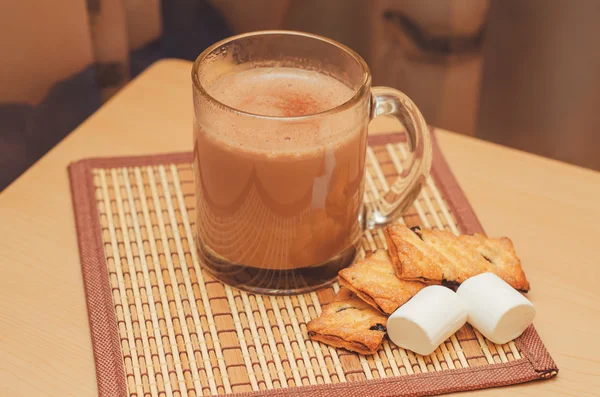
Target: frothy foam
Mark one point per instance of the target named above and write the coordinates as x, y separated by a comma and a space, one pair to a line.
279, 92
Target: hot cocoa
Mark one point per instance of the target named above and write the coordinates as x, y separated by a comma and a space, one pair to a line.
278, 200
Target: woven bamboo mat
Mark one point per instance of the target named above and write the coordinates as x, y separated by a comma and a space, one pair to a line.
162, 327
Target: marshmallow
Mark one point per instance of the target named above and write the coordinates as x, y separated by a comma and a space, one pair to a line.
495, 308
428, 319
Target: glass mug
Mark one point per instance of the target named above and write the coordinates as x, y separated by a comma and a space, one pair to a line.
279, 196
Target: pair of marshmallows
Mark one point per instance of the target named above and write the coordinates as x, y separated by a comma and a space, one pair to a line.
486, 301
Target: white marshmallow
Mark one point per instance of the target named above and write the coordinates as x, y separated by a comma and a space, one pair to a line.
495, 308
428, 319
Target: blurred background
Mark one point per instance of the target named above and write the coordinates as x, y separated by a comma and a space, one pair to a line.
521, 73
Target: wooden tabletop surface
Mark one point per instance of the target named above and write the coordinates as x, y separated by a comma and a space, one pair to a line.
550, 210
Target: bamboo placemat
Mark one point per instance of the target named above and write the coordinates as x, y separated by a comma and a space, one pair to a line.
162, 327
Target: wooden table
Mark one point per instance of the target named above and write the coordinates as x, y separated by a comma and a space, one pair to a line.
551, 211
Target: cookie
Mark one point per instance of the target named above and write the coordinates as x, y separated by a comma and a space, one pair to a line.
413, 259
439, 257
349, 323
374, 281
500, 252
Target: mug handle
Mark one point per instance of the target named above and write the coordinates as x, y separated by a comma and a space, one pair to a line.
403, 192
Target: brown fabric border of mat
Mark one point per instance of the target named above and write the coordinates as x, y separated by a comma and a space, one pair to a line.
110, 373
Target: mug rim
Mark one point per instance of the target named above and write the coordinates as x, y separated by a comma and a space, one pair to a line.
339, 108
